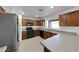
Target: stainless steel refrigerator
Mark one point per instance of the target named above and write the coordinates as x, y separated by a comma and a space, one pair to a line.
9, 31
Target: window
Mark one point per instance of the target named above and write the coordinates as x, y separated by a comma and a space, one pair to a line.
53, 24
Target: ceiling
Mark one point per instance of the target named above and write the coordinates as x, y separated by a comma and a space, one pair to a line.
36, 11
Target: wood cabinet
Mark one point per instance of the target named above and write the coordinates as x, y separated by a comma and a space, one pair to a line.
62, 20
48, 34
45, 34
23, 22
24, 35
69, 19
37, 33
40, 22
34, 22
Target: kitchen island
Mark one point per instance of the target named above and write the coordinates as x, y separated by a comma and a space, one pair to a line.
65, 41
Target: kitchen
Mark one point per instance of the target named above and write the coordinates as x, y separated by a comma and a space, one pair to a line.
47, 28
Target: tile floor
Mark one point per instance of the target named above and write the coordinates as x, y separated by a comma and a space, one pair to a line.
31, 45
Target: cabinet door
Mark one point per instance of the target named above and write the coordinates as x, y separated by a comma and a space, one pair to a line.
48, 34
23, 22
24, 35
34, 22
73, 18
40, 22
76, 18
69, 21
36, 32
62, 20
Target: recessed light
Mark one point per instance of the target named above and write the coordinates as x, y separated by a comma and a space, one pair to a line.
23, 13
51, 6
36, 15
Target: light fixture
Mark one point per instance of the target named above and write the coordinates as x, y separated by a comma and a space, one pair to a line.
23, 13
36, 15
51, 6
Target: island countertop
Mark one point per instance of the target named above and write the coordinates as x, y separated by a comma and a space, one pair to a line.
67, 29
63, 42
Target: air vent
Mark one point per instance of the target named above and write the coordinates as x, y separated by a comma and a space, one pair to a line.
40, 9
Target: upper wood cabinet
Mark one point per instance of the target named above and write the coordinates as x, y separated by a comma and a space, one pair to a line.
35, 22
39, 22
23, 22
69, 19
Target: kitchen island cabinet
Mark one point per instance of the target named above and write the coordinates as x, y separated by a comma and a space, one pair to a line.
46, 34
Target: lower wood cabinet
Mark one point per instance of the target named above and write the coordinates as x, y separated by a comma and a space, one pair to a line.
43, 34
24, 35
37, 33
48, 34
